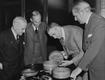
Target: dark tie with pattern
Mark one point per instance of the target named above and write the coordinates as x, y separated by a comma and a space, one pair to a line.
17, 39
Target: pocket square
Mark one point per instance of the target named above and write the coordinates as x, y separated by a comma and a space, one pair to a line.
90, 35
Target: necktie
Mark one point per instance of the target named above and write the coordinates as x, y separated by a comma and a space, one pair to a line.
36, 30
17, 38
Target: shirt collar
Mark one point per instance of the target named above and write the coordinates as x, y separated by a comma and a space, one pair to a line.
63, 33
14, 33
35, 28
88, 18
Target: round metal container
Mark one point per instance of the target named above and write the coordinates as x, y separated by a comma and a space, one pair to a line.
61, 73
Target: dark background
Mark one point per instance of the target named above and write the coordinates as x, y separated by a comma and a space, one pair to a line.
62, 15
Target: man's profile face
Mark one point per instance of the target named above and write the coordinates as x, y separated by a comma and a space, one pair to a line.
80, 12
79, 16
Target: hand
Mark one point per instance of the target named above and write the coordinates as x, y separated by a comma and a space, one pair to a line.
1, 66
75, 72
66, 63
73, 78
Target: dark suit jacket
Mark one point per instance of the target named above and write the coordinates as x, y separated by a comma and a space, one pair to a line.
73, 41
11, 55
94, 47
29, 39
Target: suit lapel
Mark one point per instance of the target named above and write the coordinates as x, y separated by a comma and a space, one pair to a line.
88, 31
89, 27
30, 31
12, 39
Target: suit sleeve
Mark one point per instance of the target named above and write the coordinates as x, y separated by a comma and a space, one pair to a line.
94, 48
78, 42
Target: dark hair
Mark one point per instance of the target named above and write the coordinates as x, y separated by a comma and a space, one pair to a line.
35, 13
